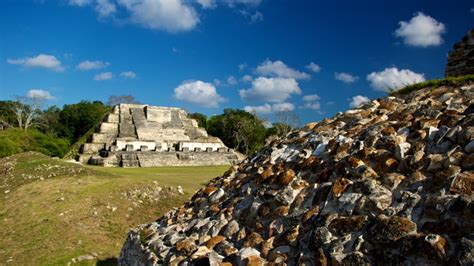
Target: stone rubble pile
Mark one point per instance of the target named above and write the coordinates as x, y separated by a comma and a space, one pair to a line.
389, 183
461, 58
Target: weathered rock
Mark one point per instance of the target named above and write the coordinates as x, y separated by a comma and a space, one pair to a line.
388, 183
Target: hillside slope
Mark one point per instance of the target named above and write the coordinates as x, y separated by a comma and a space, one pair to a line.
389, 183
53, 212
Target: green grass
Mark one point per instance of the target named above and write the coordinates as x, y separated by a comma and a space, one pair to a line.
435, 83
69, 213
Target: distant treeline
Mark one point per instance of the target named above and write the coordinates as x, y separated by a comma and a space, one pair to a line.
26, 126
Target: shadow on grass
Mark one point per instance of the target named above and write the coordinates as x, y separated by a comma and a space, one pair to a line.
107, 262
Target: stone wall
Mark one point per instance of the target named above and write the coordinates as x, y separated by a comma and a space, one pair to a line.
141, 135
461, 58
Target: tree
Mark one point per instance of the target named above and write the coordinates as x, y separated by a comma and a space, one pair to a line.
285, 122
118, 99
77, 119
27, 110
200, 118
49, 118
238, 129
7, 115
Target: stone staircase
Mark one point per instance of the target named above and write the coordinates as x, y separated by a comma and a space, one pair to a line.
129, 160
126, 126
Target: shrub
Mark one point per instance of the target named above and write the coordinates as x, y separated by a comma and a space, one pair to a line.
14, 141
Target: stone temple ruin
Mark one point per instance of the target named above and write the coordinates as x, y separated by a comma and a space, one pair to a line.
134, 135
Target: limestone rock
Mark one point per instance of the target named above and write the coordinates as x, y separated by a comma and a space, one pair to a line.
389, 183
135, 135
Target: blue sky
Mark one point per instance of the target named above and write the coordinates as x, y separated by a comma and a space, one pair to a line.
312, 57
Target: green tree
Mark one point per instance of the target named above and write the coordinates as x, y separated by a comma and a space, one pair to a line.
77, 119
50, 124
7, 115
200, 118
238, 129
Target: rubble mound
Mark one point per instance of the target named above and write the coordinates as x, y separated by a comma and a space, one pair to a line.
389, 183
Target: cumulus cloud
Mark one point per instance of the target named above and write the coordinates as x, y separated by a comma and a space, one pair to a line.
198, 92
252, 18
358, 101
345, 77
247, 78
39, 61
279, 69
233, 3
311, 102
89, 65
271, 89
268, 109
79, 2
103, 76
169, 15
207, 4
39, 94
105, 8
422, 30
313, 106
128, 74
311, 97
392, 79
231, 80
314, 67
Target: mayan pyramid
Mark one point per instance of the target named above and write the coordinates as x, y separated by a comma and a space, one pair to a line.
134, 135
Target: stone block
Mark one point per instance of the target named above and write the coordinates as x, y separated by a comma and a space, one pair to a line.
129, 147
208, 149
92, 147
197, 149
221, 149
143, 148
185, 149
108, 128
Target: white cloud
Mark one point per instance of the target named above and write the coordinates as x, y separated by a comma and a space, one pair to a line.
421, 30
207, 4
311, 102
103, 76
231, 80
39, 61
358, 101
255, 17
198, 92
247, 78
105, 8
254, 3
169, 15
89, 65
128, 74
283, 107
472, 10
39, 94
267, 108
313, 106
392, 78
79, 2
271, 89
311, 97
345, 77
279, 69
314, 67
242, 66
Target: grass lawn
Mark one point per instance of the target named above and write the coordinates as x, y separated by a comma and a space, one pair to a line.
51, 211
